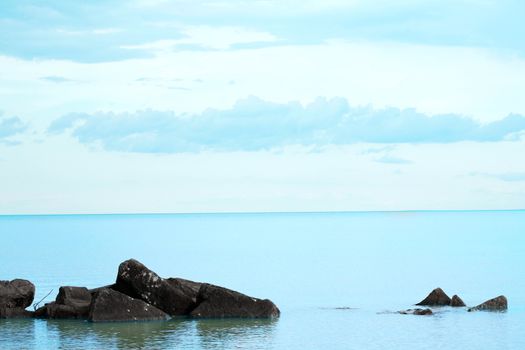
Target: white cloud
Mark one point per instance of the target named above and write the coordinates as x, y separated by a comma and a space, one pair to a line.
216, 38
254, 124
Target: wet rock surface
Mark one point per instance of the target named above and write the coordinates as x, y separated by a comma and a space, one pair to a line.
417, 312
494, 304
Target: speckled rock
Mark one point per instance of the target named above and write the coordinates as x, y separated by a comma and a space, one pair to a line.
111, 306
137, 281
494, 304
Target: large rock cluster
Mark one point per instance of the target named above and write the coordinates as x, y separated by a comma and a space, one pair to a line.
138, 294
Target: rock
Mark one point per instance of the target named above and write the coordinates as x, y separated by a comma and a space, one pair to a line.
74, 296
189, 288
436, 298
456, 301
71, 302
109, 305
15, 312
17, 293
218, 302
55, 310
137, 281
495, 304
419, 312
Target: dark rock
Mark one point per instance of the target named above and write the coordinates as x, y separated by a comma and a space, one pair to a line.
419, 312
74, 296
55, 310
436, 298
495, 304
189, 288
15, 312
456, 301
71, 302
109, 305
16, 293
218, 302
137, 281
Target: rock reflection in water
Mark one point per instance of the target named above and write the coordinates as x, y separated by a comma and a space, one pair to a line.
235, 333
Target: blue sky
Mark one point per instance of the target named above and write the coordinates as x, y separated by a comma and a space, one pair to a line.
184, 106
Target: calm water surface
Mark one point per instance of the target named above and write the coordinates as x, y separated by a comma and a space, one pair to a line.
308, 264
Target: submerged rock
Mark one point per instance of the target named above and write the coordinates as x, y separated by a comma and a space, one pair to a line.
436, 298
17, 293
109, 305
494, 304
218, 302
418, 312
456, 301
136, 280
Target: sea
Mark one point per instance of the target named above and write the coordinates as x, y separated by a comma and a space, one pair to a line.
338, 278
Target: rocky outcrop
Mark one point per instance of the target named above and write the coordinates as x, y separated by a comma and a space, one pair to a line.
218, 302
456, 301
494, 304
436, 298
17, 293
110, 305
418, 312
136, 280
139, 294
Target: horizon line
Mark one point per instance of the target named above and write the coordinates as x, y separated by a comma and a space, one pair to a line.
270, 212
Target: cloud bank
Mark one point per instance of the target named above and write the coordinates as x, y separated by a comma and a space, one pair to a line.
254, 124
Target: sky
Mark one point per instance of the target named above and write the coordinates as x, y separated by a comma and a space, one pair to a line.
158, 106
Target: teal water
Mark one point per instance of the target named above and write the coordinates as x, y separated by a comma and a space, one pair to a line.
308, 264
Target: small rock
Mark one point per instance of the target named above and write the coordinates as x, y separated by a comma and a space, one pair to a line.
218, 302
495, 304
71, 302
17, 293
436, 298
456, 301
74, 296
419, 312
109, 305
